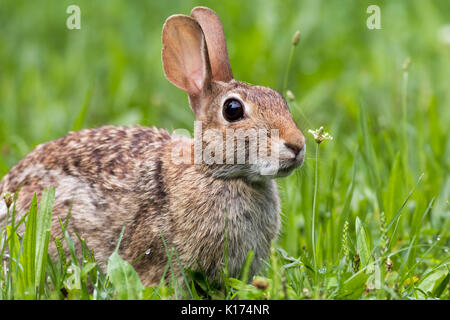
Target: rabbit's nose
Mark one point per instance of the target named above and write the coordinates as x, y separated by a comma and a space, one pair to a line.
296, 145
296, 148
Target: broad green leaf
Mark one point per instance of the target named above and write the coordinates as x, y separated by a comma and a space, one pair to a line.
124, 278
353, 287
331, 283
87, 268
362, 244
236, 284
150, 293
431, 283
438, 290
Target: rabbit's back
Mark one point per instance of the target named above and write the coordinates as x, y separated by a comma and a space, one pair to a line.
99, 173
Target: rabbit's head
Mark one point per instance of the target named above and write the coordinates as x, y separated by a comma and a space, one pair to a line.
195, 59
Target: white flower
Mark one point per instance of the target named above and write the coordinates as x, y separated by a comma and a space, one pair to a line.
320, 135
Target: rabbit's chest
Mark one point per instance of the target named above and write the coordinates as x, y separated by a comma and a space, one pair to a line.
215, 213
253, 221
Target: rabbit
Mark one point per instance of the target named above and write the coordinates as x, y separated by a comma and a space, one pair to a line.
114, 176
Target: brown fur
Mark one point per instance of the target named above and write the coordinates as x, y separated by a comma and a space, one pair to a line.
115, 177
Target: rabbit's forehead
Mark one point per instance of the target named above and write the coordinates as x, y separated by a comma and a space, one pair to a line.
263, 99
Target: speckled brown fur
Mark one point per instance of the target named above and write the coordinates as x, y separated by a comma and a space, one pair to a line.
114, 177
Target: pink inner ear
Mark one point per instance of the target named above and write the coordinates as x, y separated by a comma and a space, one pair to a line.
197, 77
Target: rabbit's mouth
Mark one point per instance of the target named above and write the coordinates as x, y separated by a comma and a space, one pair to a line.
290, 165
287, 169
264, 168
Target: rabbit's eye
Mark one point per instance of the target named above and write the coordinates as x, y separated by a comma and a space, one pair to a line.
233, 110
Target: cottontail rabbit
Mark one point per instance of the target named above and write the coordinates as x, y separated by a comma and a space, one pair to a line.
128, 176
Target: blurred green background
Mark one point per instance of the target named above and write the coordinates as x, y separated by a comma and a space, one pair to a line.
53, 80
46, 70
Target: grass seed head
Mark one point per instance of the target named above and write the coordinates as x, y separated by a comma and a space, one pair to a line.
345, 239
8, 198
356, 263
296, 38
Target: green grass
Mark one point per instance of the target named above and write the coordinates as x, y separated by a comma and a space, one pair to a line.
380, 199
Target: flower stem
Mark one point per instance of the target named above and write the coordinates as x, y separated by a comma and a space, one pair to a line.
405, 116
288, 67
313, 241
294, 43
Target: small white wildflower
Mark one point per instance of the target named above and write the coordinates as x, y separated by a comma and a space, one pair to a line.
320, 135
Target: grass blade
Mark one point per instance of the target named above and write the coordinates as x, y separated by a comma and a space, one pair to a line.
28, 258
43, 230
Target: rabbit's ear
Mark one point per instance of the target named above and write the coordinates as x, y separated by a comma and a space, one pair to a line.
217, 46
185, 55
